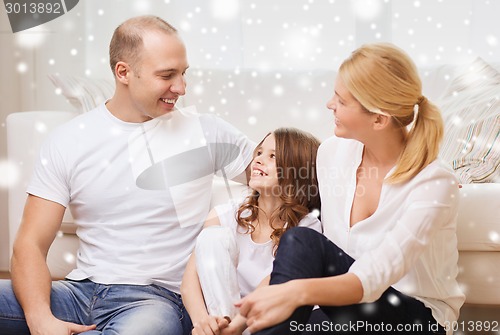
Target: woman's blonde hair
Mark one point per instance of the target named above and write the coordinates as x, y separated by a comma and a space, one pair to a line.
384, 79
127, 41
298, 186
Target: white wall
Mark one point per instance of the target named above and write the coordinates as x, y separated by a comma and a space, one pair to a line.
25, 60
7, 103
261, 35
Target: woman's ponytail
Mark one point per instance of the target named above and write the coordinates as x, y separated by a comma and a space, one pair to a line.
422, 142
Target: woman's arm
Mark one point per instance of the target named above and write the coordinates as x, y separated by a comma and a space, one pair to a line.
270, 305
432, 208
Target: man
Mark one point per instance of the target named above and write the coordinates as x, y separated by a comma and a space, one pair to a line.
136, 173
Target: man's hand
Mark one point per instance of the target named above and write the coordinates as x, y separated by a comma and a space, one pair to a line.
54, 326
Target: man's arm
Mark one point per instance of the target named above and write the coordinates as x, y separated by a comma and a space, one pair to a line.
31, 278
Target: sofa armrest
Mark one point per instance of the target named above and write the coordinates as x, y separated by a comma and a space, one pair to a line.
479, 217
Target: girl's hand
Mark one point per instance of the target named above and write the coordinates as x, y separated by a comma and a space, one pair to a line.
268, 306
236, 327
210, 325
231, 331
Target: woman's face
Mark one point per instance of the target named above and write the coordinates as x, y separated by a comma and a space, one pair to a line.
264, 177
351, 119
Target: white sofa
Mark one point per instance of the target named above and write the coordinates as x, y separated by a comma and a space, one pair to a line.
479, 213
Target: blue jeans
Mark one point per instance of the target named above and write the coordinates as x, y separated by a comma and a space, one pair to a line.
305, 253
115, 309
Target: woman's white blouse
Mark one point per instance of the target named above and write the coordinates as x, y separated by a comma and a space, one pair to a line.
410, 241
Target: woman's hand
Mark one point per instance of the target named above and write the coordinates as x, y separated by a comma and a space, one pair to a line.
210, 325
269, 305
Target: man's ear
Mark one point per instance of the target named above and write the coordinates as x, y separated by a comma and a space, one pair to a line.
381, 121
122, 72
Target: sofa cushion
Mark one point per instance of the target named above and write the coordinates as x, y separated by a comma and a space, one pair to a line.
83, 93
471, 111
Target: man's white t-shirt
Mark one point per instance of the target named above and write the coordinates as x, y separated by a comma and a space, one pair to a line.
138, 192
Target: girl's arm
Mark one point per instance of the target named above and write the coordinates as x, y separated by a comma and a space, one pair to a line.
239, 322
265, 281
192, 295
236, 327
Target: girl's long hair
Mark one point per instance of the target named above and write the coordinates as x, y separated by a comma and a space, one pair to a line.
298, 185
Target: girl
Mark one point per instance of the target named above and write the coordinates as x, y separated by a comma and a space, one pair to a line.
284, 195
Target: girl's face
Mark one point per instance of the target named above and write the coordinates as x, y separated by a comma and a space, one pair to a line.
351, 119
264, 177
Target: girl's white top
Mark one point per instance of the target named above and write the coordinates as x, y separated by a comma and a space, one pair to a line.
255, 260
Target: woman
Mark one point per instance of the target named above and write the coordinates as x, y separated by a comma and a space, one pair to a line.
388, 260
235, 250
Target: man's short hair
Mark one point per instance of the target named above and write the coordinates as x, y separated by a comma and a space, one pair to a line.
126, 43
